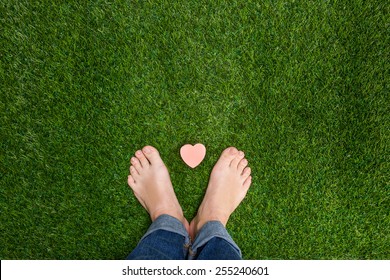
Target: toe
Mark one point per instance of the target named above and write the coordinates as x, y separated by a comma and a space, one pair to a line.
247, 182
239, 156
228, 155
152, 155
246, 172
130, 181
242, 164
141, 157
136, 163
134, 172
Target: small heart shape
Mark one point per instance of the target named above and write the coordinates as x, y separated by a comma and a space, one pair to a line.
193, 155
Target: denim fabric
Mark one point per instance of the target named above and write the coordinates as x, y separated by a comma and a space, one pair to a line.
167, 239
217, 249
213, 242
160, 245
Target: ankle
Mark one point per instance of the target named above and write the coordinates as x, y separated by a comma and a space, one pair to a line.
176, 214
200, 221
213, 214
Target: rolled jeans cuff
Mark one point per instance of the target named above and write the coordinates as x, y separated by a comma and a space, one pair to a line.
210, 230
168, 223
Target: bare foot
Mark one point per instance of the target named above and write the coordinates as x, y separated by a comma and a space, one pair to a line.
152, 185
228, 185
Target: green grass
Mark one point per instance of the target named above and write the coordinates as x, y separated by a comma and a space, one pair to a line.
301, 86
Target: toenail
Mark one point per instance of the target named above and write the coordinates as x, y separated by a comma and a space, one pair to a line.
132, 159
233, 151
138, 153
147, 150
241, 153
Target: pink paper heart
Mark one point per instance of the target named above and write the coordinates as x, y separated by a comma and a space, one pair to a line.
193, 155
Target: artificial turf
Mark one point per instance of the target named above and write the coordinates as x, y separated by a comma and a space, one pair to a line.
301, 86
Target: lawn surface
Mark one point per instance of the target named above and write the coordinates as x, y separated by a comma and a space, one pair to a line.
301, 86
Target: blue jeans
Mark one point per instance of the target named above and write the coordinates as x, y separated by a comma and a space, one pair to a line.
167, 239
